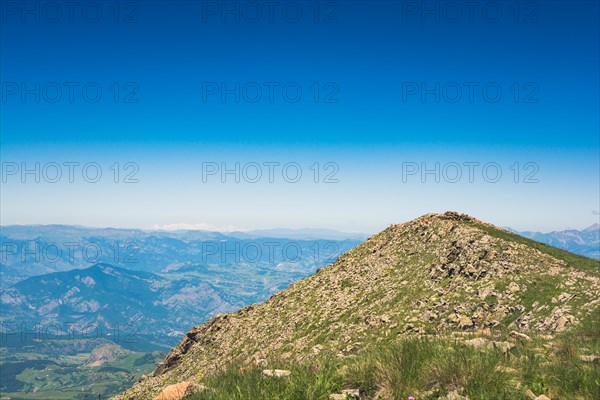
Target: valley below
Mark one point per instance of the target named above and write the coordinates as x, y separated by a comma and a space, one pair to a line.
74, 331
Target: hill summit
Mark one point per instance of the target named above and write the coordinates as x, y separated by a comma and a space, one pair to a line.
439, 275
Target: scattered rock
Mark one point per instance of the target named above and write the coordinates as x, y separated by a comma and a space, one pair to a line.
485, 332
530, 394
179, 391
513, 287
519, 336
485, 292
477, 342
564, 297
317, 349
464, 322
504, 347
351, 393
454, 395
261, 362
562, 322
589, 358
346, 395
278, 373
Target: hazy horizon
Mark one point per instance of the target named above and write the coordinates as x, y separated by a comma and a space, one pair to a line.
250, 230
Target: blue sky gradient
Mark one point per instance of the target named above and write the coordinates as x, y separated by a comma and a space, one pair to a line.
365, 58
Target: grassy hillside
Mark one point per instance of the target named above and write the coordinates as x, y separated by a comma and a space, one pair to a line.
584, 263
424, 307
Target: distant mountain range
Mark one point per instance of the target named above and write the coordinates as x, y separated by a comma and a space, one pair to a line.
106, 300
31, 250
67, 292
585, 242
302, 234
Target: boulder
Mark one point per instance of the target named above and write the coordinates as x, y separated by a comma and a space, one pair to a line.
519, 336
346, 395
179, 391
477, 342
277, 373
454, 395
351, 393
530, 394
563, 321
513, 287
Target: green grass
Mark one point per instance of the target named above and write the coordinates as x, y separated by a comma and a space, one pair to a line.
562, 374
541, 290
346, 283
574, 260
587, 333
306, 382
426, 369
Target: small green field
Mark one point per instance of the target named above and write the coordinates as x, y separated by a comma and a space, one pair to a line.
43, 372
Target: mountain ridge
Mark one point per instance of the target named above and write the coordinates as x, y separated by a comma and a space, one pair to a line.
437, 274
32, 251
585, 242
106, 298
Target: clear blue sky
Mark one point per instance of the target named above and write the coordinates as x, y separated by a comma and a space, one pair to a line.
368, 73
